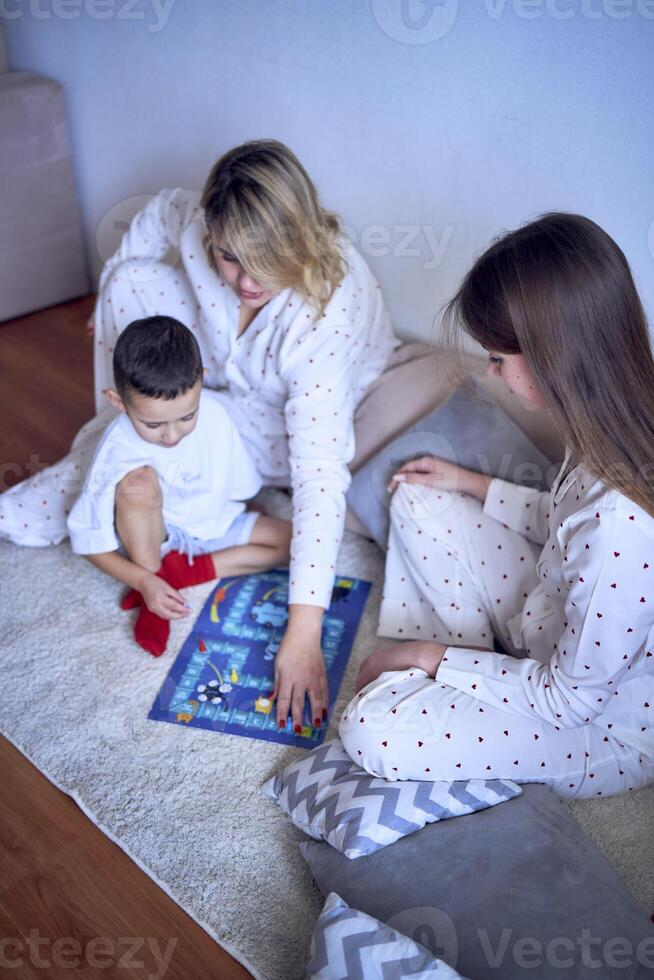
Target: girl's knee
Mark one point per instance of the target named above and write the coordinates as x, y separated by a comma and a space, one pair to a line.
384, 718
437, 512
360, 724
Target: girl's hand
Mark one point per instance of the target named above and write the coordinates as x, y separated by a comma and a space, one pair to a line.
432, 471
300, 670
90, 326
162, 599
401, 656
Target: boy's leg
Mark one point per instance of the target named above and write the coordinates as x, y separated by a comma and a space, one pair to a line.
262, 544
140, 527
139, 518
269, 545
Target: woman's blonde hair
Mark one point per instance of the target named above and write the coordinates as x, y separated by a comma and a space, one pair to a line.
262, 205
559, 291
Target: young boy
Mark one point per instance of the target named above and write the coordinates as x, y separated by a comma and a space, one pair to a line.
169, 475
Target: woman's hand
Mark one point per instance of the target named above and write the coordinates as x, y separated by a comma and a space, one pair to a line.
300, 670
432, 471
90, 326
162, 599
401, 656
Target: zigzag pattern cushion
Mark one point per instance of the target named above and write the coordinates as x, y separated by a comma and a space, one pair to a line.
350, 945
330, 798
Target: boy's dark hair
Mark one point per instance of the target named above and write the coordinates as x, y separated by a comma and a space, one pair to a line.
157, 357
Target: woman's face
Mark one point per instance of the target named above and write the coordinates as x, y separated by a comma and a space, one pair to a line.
514, 372
250, 292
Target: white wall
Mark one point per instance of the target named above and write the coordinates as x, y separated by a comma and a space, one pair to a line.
3, 52
489, 113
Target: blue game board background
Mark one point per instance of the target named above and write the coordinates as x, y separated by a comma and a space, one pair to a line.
225, 666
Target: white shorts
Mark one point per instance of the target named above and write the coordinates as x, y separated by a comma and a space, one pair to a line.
239, 532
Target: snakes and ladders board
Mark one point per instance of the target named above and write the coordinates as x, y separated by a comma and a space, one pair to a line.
223, 675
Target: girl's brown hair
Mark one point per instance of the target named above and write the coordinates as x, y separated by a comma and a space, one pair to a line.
262, 205
559, 291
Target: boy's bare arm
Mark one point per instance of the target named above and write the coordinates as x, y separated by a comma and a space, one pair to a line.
121, 568
160, 597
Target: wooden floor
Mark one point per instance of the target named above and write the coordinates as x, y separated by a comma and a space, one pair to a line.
71, 903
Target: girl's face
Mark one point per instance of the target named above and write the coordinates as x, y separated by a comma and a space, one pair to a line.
514, 371
250, 292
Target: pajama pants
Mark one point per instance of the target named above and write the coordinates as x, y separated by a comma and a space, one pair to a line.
447, 566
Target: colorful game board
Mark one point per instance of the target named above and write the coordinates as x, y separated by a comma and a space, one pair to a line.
223, 675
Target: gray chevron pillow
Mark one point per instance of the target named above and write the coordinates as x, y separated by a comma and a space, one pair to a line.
350, 945
330, 798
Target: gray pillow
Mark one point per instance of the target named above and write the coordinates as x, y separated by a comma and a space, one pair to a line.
468, 429
511, 892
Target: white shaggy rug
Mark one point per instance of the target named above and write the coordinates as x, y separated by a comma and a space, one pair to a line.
184, 804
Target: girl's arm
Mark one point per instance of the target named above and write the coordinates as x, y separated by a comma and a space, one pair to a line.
521, 508
433, 471
609, 623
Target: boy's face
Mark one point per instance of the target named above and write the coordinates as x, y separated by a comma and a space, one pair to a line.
161, 421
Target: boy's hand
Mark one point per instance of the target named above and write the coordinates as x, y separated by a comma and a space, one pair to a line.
162, 599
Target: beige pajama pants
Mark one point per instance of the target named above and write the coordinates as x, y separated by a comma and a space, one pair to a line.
456, 575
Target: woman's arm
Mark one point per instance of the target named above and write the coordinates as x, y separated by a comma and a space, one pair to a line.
300, 667
154, 232
317, 369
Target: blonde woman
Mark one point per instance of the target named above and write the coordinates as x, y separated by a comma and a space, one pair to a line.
563, 579
292, 328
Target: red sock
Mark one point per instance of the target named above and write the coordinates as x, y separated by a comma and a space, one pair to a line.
131, 600
178, 572
151, 631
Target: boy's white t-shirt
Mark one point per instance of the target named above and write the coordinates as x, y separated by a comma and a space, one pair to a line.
204, 479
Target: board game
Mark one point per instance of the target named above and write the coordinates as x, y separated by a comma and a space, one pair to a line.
222, 677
